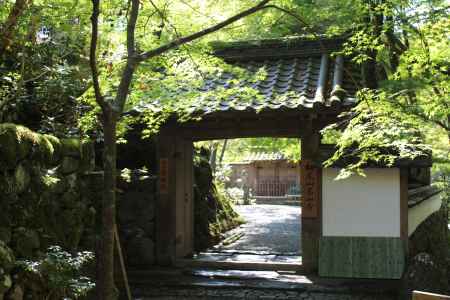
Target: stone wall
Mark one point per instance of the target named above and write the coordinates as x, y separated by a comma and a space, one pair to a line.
44, 198
428, 262
213, 210
136, 216
137, 197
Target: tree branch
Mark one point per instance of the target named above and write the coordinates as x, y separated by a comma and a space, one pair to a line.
288, 12
9, 26
178, 35
93, 56
183, 40
131, 47
132, 62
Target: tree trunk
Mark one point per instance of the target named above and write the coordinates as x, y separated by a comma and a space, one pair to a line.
107, 290
222, 153
111, 112
213, 157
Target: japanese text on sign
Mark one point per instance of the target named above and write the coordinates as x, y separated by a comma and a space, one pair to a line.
310, 181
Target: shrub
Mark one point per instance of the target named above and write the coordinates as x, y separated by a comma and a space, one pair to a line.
58, 274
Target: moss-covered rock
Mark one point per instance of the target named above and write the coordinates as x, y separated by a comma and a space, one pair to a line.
69, 165
7, 258
5, 284
16, 143
26, 241
43, 151
22, 179
71, 147
5, 234
40, 198
87, 156
214, 212
7, 184
57, 149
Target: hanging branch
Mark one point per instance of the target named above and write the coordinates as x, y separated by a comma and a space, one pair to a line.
189, 38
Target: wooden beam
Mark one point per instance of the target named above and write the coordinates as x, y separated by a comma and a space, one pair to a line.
428, 296
253, 125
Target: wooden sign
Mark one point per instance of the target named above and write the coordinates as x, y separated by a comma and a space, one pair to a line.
311, 184
164, 176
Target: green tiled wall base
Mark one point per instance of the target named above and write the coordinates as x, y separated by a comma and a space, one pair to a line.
361, 257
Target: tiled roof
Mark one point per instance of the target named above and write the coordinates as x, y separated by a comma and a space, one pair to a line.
265, 156
260, 156
418, 195
298, 75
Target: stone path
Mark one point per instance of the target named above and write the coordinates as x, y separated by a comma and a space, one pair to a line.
270, 229
237, 285
197, 293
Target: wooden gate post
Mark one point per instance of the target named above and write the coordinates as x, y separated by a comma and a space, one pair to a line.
175, 208
165, 216
184, 198
311, 201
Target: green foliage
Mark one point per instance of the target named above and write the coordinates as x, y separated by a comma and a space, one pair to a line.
61, 273
44, 68
52, 64
410, 111
376, 134
18, 142
238, 149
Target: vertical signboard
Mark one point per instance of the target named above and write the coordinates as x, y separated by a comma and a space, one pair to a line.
164, 176
310, 182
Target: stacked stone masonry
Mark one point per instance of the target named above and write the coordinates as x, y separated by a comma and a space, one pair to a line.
45, 198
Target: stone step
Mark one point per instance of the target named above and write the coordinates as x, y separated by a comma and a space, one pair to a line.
239, 284
239, 264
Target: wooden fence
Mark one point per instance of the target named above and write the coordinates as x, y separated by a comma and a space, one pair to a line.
275, 188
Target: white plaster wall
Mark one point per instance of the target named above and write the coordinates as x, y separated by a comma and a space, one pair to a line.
419, 213
361, 206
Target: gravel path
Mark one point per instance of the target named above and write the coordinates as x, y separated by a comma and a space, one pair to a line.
269, 228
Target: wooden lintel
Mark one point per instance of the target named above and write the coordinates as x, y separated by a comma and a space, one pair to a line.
237, 128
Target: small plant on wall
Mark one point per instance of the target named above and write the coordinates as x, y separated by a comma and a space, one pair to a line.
58, 275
